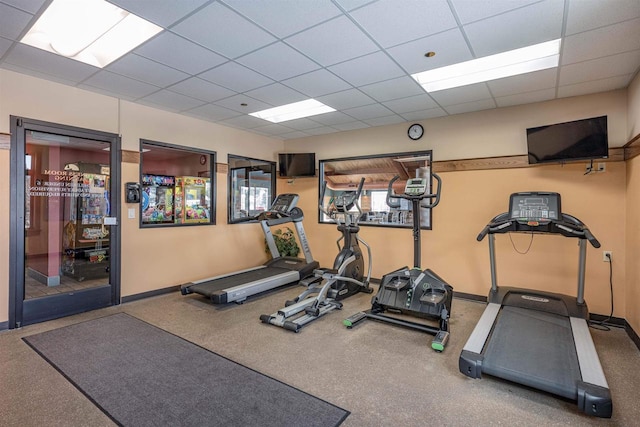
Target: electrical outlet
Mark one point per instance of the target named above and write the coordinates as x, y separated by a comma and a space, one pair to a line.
601, 167
607, 256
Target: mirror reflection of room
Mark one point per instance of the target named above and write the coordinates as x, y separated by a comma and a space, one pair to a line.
378, 171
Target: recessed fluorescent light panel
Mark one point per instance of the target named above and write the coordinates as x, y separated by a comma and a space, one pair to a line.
519, 61
91, 31
297, 110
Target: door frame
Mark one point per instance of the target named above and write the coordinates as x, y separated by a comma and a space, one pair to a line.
70, 303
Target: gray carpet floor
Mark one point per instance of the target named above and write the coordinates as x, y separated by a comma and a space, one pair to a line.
383, 374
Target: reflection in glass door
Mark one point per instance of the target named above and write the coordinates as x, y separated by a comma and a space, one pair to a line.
67, 240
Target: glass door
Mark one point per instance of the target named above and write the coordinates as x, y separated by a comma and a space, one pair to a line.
65, 239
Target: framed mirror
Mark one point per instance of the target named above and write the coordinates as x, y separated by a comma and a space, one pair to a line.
344, 174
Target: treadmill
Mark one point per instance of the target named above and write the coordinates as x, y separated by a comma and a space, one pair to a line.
279, 271
539, 339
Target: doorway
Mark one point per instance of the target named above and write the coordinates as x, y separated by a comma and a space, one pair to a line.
65, 204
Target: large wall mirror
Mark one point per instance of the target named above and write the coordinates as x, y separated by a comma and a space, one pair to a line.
344, 175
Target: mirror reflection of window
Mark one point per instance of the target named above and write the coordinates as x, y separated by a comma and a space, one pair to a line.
252, 184
378, 170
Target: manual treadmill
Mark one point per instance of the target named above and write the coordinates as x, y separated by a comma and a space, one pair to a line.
279, 271
539, 339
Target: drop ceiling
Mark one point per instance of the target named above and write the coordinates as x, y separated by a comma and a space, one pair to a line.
220, 60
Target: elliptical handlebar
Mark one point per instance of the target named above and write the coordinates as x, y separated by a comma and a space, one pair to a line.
428, 205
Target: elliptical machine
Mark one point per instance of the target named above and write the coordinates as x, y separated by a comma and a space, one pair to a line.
412, 291
327, 287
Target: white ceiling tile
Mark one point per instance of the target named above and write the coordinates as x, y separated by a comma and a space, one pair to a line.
594, 86
350, 126
475, 10
332, 118
235, 77
317, 83
603, 41
273, 129
387, 90
324, 130
302, 124
458, 95
365, 112
12, 21
48, 63
413, 103
298, 16
529, 82
171, 101
431, 113
327, 43
235, 103
450, 47
295, 134
346, 99
522, 27
4, 46
31, 6
244, 121
276, 94
387, 120
610, 66
161, 12
214, 24
353, 4
37, 73
201, 89
211, 112
469, 107
278, 61
181, 54
367, 69
586, 15
390, 22
526, 98
145, 70
120, 86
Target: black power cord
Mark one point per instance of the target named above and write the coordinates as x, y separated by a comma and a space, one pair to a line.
604, 325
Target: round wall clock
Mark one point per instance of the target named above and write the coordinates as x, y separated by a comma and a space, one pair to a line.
415, 131
203, 160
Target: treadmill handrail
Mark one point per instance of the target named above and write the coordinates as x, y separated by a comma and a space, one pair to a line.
569, 226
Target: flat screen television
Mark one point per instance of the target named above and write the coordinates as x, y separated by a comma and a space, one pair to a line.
561, 142
296, 165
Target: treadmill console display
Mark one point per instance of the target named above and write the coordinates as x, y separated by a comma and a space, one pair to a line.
534, 207
284, 203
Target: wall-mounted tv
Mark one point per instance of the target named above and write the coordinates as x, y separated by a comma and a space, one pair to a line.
295, 165
562, 142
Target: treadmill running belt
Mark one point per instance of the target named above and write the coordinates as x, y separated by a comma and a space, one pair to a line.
535, 349
241, 278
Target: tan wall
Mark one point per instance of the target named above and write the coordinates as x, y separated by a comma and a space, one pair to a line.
633, 244
151, 258
633, 108
469, 200
633, 207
